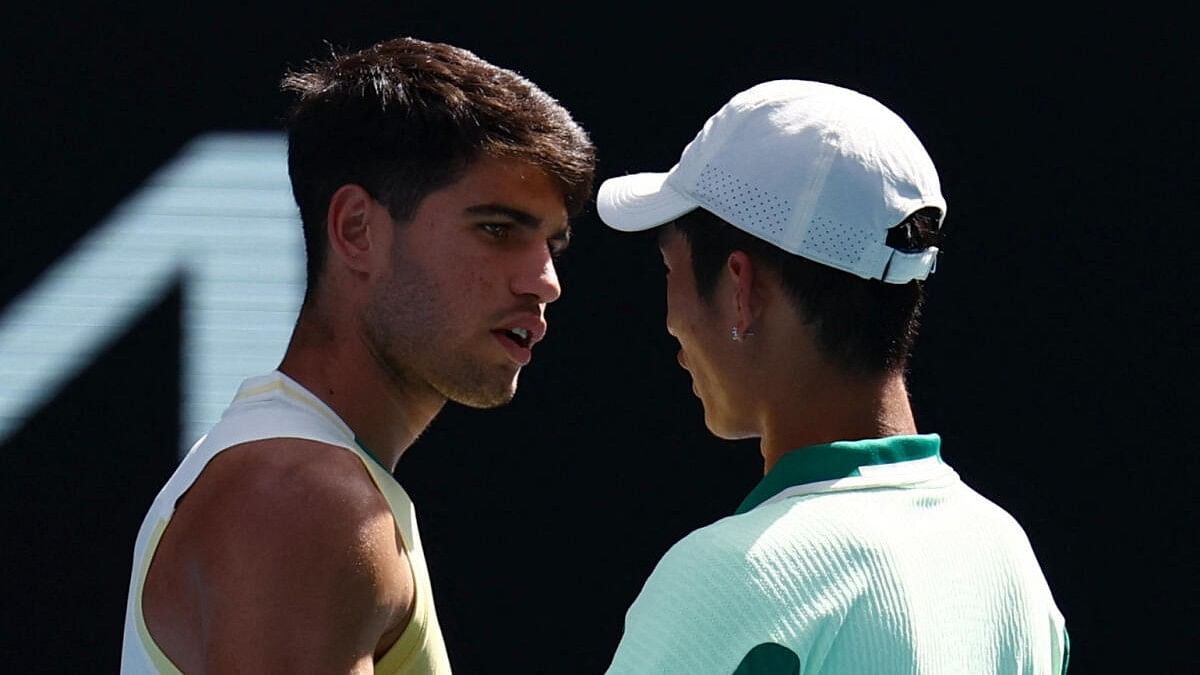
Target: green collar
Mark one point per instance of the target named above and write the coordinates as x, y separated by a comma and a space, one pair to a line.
840, 459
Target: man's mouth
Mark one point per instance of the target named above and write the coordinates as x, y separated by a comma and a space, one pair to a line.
519, 336
519, 333
517, 342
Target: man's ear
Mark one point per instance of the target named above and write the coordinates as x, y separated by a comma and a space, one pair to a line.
747, 292
353, 229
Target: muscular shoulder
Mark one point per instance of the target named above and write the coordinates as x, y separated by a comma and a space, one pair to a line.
276, 531
283, 478
305, 498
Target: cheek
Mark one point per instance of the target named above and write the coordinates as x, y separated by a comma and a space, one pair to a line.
683, 317
673, 315
465, 281
480, 274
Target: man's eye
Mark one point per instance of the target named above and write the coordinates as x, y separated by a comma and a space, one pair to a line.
497, 230
557, 247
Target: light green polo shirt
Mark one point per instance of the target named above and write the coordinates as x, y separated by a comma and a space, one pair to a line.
867, 556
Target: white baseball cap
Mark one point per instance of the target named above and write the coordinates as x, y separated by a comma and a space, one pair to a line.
818, 170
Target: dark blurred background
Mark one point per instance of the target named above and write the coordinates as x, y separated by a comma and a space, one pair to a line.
1055, 358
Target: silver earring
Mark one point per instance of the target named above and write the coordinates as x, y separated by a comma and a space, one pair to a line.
737, 336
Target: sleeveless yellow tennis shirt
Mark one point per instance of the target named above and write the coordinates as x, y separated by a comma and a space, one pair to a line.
275, 406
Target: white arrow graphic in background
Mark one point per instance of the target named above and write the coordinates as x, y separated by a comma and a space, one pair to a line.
221, 215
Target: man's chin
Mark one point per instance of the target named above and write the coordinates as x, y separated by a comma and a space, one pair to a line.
482, 403
491, 395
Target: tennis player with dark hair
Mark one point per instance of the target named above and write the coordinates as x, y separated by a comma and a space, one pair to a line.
799, 228
435, 191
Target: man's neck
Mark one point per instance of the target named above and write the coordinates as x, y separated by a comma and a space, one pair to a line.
836, 410
335, 364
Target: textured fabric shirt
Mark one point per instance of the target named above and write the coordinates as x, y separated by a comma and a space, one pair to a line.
275, 406
853, 557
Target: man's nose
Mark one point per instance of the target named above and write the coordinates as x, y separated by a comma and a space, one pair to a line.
538, 278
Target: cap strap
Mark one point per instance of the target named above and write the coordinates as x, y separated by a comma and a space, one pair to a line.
902, 268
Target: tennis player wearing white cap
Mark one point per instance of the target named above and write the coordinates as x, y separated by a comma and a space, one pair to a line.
798, 229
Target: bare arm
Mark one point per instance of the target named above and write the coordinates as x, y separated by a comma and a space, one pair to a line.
282, 558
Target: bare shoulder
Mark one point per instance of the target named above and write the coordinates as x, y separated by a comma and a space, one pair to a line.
285, 478
276, 532
273, 491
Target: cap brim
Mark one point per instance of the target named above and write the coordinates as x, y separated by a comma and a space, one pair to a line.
640, 201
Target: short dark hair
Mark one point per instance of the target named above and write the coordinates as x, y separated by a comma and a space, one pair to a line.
865, 326
406, 117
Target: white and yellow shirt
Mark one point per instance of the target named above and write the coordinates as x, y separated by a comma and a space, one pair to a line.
275, 406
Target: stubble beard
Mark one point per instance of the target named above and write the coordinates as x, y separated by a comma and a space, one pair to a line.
409, 331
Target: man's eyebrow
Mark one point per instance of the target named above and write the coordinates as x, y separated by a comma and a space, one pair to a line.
522, 218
